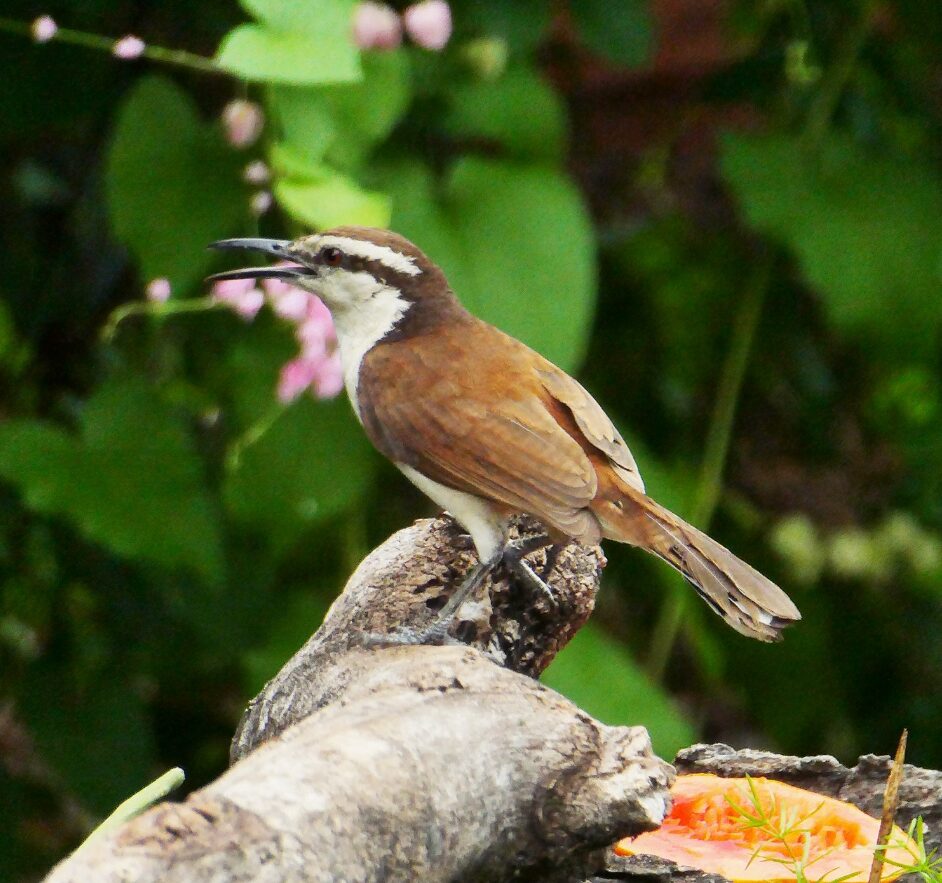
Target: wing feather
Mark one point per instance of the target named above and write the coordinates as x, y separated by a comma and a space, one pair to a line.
452, 428
592, 421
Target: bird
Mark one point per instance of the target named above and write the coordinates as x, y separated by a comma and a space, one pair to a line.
488, 428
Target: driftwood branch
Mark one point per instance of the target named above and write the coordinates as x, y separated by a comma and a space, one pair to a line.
410, 763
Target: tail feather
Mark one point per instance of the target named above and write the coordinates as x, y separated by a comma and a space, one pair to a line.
750, 603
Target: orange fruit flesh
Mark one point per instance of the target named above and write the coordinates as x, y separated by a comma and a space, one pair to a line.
706, 829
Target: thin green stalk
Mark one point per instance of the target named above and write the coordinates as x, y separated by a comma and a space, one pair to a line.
137, 803
157, 310
252, 435
176, 57
837, 76
719, 434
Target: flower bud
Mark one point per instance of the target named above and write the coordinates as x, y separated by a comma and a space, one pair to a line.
128, 48
376, 26
158, 290
260, 202
243, 122
429, 24
256, 173
44, 29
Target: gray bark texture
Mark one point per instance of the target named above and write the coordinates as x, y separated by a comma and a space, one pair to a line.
438, 763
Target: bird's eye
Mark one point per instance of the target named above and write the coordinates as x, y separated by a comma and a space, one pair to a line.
332, 257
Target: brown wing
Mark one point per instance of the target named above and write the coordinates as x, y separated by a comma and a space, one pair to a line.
466, 408
592, 421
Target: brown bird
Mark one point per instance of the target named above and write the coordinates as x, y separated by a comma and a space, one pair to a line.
488, 428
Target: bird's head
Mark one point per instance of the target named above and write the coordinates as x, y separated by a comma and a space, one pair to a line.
373, 281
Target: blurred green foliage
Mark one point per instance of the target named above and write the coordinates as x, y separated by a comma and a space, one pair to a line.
731, 228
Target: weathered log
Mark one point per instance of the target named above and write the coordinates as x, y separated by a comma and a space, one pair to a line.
410, 762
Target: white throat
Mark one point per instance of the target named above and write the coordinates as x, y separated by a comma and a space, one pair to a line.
364, 311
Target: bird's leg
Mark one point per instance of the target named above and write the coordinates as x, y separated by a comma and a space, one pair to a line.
436, 632
514, 554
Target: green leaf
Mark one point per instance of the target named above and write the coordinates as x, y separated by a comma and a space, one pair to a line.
311, 464
865, 227
131, 482
623, 32
257, 52
520, 112
172, 184
322, 198
598, 675
307, 43
305, 122
345, 121
516, 244
327, 18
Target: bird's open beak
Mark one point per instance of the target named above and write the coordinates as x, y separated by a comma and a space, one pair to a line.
276, 247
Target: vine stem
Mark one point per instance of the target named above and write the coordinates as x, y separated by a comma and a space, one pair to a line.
719, 434
157, 310
176, 57
838, 76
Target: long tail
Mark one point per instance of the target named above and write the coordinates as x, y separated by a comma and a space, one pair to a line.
750, 603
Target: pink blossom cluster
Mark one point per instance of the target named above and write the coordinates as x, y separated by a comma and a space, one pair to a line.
317, 365
378, 26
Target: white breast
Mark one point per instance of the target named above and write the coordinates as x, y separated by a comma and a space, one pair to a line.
475, 514
364, 312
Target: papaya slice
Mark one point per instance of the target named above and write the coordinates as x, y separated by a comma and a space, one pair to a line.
708, 828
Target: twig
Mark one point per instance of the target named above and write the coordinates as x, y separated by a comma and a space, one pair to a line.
890, 805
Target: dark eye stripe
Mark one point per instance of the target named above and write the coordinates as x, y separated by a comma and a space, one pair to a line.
330, 256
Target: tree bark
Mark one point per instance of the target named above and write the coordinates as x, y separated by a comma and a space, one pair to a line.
360, 763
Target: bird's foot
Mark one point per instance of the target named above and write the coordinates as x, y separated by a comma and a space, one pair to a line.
437, 631
514, 554
435, 634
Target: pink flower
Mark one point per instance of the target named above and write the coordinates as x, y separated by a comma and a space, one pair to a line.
44, 29
316, 333
158, 290
256, 173
128, 48
376, 26
295, 377
329, 380
241, 295
243, 122
288, 301
317, 365
429, 24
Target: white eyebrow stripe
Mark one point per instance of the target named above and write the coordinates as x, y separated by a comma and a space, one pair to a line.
388, 257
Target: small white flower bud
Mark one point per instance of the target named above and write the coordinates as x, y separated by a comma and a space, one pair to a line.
376, 26
128, 48
429, 24
158, 290
261, 202
256, 173
243, 121
44, 29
